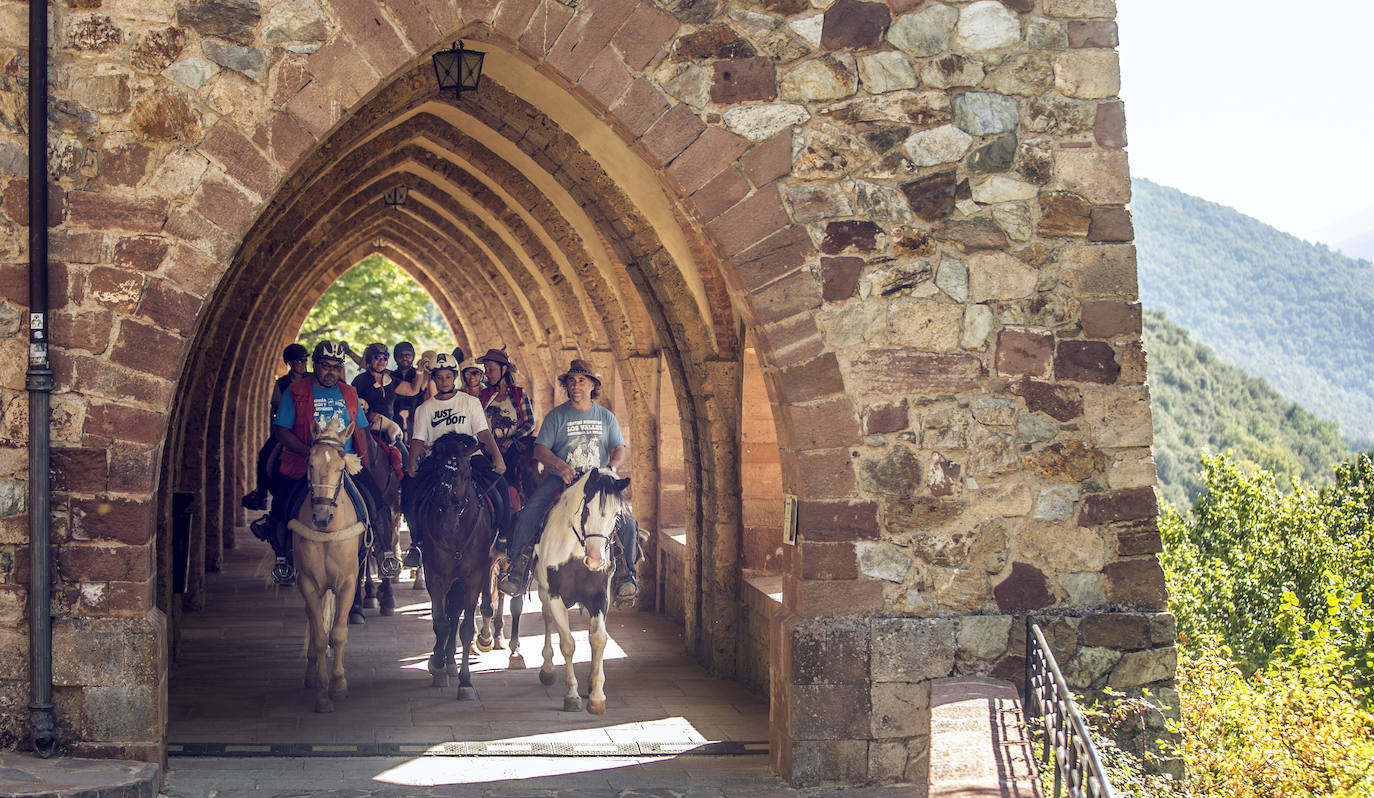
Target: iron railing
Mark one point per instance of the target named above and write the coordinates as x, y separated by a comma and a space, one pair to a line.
1065, 736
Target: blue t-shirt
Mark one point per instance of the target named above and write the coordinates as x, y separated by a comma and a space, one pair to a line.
581, 438
329, 403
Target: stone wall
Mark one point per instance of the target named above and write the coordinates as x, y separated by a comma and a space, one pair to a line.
917, 210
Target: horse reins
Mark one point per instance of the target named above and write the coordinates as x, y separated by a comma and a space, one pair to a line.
333, 501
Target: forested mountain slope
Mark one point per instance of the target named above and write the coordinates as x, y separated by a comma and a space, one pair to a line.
1297, 314
1200, 402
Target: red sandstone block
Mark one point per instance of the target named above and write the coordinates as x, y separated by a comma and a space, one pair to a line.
1092, 33
782, 253
606, 79
811, 380
78, 468
315, 108
224, 205
830, 561
830, 711
1109, 318
140, 252
796, 293
768, 160
826, 474
76, 246
792, 340
587, 34
1120, 505
117, 289
86, 562
513, 17
123, 423
645, 33
721, 192
412, 17
145, 348
902, 371
738, 80
672, 133
191, 270
640, 107
341, 70
834, 521
168, 306
750, 221
373, 34
1109, 125
1024, 352
289, 138
132, 469
812, 598
1110, 225
239, 158
106, 212
111, 520
546, 25
714, 150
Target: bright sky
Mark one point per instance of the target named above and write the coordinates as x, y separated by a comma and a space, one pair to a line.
1267, 107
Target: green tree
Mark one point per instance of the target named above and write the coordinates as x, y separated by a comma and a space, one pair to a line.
377, 301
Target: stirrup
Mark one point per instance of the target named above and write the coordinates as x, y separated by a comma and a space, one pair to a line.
412, 558
254, 500
261, 528
515, 580
282, 572
389, 567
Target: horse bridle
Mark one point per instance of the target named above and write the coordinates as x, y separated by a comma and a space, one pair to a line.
332, 501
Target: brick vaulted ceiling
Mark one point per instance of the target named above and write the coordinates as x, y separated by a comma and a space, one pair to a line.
525, 235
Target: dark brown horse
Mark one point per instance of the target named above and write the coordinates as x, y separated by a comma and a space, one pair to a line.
456, 521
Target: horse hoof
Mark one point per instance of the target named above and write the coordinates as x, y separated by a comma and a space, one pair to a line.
340, 695
483, 645
387, 610
419, 583
439, 680
370, 603
572, 704
324, 705
467, 693
597, 707
355, 617
517, 663
546, 678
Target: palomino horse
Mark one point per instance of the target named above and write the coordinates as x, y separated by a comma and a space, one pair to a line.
456, 521
326, 544
522, 473
573, 565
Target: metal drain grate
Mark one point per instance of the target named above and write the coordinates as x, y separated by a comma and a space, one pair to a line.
466, 748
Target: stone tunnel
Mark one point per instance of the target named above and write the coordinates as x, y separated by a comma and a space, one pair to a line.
868, 261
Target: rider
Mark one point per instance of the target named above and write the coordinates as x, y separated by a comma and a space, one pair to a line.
451, 410
574, 437
306, 403
379, 387
296, 358
509, 409
405, 371
470, 378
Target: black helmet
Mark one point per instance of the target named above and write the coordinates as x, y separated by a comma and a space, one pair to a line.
293, 353
329, 350
404, 346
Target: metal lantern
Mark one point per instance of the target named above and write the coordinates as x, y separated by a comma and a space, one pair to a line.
458, 69
395, 197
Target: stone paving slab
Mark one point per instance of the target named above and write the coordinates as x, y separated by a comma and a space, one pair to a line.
25, 775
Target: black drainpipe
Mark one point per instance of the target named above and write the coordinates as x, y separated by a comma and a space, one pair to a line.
43, 724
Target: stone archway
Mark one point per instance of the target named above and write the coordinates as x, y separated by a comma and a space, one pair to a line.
918, 214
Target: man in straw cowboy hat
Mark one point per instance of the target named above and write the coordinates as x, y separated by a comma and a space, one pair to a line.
574, 437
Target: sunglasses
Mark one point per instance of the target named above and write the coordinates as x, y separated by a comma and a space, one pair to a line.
380, 357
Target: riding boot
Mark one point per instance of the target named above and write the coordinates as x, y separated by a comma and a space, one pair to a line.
255, 499
625, 584
515, 581
283, 572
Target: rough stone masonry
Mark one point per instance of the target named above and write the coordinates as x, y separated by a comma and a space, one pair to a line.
920, 212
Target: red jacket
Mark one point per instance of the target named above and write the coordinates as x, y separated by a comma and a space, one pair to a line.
302, 393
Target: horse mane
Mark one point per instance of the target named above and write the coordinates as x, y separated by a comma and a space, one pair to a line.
336, 432
450, 446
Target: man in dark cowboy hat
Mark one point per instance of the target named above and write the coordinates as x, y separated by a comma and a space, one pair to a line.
509, 409
574, 437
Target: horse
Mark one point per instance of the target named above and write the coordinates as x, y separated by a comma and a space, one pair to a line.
574, 561
457, 522
522, 473
383, 464
326, 535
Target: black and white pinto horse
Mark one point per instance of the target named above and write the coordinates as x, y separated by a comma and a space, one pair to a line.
574, 562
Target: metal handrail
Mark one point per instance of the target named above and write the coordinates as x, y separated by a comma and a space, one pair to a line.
1076, 763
